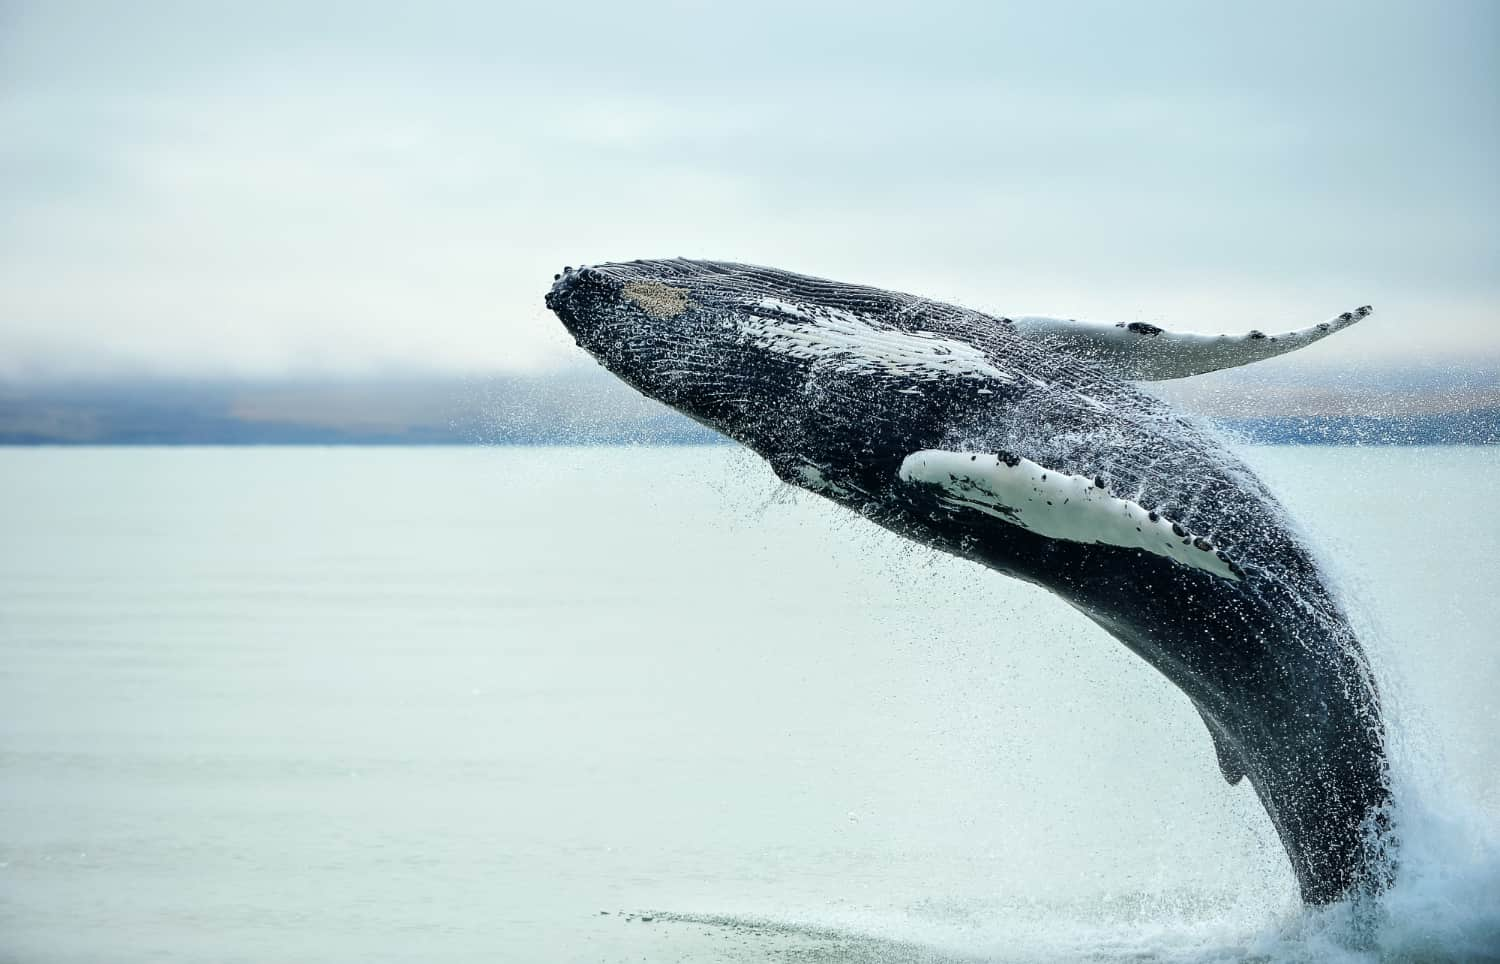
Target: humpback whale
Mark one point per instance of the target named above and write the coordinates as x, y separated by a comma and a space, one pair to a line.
1024, 444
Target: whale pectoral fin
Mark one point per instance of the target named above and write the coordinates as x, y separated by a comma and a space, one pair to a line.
1230, 763
1057, 505
1147, 353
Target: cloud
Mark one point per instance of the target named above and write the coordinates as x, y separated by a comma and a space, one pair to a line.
219, 188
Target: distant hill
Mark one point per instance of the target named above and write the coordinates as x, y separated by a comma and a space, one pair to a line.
587, 407
577, 408
1480, 427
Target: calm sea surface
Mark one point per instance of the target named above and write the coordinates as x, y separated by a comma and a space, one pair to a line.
646, 704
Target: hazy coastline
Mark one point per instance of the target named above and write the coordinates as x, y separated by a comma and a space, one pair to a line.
1452, 405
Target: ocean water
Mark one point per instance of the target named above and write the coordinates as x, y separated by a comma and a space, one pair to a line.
484, 704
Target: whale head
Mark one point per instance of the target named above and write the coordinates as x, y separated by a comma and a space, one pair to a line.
822, 379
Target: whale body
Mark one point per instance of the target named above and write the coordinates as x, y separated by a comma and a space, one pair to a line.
1022, 444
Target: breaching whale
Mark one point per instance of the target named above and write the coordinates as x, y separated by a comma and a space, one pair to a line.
1022, 444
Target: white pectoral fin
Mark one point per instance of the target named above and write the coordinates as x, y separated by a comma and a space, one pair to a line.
1059, 506
1148, 353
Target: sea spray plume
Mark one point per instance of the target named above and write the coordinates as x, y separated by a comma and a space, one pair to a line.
1022, 446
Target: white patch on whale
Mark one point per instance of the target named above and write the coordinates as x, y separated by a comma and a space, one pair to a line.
832, 336
1057, 505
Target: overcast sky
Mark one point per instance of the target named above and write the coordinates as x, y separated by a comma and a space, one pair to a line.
263, 188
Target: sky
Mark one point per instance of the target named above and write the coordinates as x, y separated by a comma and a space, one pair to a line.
287, 188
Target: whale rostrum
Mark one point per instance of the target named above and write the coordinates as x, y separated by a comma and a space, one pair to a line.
1022, 444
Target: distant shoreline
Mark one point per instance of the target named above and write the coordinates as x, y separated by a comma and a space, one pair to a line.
1314, 434
588, 408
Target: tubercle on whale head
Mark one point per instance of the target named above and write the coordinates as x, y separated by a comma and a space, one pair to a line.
576, 296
